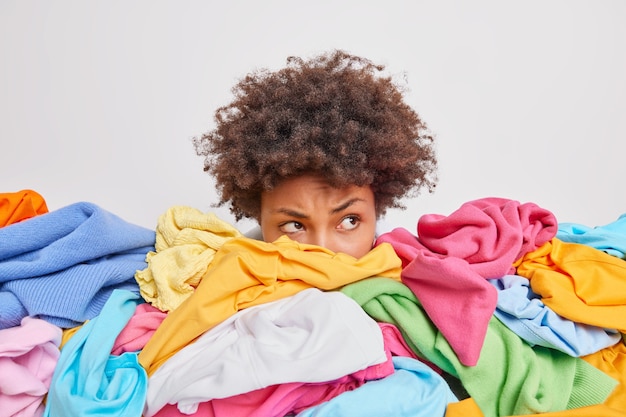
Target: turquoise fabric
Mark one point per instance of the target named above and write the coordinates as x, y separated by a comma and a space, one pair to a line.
88, 380
610, 238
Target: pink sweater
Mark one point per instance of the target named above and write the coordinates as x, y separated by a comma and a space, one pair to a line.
446, 265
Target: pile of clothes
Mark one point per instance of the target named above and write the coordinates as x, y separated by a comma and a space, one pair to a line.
493, 310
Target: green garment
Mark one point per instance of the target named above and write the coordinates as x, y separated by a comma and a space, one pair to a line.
510, 378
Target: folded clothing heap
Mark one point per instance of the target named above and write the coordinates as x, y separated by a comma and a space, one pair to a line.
472, 315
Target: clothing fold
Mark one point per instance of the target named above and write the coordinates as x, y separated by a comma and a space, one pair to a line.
21, 205
88, 380
451, 257
247, 272
62, 266
510, 378
312, 336
186, 242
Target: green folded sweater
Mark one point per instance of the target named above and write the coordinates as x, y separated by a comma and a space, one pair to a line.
510, 378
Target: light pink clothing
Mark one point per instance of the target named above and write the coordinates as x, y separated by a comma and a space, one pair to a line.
446, 265
28, 356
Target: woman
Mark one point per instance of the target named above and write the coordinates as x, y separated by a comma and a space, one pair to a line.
318, 151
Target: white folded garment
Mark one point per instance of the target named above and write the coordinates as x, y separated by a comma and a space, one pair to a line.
312, 336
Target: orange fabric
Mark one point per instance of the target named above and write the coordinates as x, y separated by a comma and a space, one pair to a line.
578, 282
247, 272
463, 408
612, 361
21, 205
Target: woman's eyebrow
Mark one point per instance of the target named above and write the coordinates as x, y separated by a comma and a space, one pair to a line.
300, 215
345, 205
292, 213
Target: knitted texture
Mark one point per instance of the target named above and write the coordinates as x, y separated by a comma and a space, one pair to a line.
63, 265
186, 241
511, 377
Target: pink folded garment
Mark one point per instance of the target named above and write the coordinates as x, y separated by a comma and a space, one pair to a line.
447, 264
28, 355
139, 329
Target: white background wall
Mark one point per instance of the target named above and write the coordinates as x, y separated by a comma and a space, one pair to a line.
99, 100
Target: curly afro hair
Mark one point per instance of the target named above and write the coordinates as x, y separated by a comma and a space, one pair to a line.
334, 115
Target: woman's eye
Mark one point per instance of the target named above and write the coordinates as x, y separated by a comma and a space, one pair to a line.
350, 222
291, 227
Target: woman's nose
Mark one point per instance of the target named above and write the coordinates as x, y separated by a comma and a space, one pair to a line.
319, 239
326, 240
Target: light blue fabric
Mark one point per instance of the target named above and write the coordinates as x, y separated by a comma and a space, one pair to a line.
413, 390
610, 238
88, 380
522, 311
63, 265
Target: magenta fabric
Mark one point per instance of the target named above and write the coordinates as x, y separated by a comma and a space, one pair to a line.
28, 356
395, 342
447, 264
139, 329
282, 399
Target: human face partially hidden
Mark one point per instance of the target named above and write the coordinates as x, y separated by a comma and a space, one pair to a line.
308, 210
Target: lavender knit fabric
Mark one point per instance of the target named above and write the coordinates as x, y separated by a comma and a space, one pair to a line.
62, 266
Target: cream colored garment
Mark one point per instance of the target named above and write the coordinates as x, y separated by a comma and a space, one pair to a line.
186, 241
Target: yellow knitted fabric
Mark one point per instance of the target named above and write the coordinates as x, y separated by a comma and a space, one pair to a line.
186, 242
